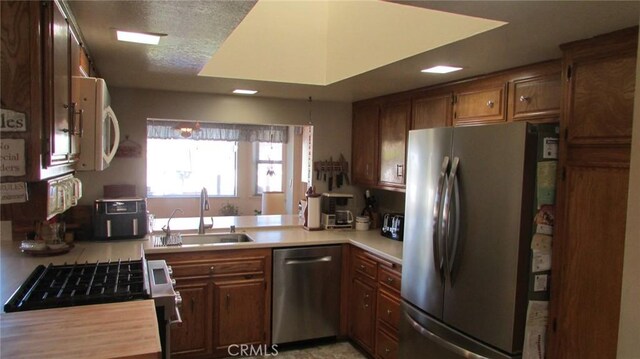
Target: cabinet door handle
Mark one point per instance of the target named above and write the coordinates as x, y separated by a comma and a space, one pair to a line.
526, 99
366, 305
387, 350
389, 312
490, 104
389, 280
362, 266
399, 170
213, 268
366, 296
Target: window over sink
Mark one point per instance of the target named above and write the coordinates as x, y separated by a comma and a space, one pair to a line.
227, 159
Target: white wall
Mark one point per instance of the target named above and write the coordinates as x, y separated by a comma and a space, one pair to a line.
331, 121
629, 330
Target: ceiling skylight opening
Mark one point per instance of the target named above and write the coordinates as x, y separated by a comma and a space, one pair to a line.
245, 92
139, 37
442, 69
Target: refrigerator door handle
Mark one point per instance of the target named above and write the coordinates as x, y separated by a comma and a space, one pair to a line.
437, 216
442, 342
446, 215
456, 225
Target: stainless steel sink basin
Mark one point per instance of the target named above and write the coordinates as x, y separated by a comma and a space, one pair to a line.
212, 238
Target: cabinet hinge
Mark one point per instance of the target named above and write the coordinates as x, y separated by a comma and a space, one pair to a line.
569, 72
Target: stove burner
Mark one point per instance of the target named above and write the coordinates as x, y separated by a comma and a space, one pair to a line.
66, 285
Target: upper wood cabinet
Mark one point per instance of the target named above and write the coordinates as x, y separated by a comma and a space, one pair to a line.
364, 144
479, 104
431, 110
380, 126
394, 123
36, 83
535, 97
588, 246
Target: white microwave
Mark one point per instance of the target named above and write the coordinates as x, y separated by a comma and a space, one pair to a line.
99, 130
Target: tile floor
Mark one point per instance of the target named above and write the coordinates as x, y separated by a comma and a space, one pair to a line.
339, 350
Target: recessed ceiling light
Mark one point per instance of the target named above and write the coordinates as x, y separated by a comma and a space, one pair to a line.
245, 92
138, 37
442, 69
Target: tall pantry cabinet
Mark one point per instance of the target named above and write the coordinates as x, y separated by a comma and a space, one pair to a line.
598, 91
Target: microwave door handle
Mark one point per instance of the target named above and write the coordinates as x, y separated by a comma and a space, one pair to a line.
116, 133
437, 215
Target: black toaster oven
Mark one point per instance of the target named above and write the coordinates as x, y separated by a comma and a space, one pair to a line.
120, 218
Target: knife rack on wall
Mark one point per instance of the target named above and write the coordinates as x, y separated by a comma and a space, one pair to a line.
333, 172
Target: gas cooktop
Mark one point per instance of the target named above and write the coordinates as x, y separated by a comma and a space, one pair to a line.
67, 285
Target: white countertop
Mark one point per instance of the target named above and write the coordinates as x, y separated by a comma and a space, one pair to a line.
266, 231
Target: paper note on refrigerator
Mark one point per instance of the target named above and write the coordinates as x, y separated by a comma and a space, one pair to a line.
535, 330
546, 182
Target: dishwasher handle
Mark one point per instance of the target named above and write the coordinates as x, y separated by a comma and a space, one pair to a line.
307, 260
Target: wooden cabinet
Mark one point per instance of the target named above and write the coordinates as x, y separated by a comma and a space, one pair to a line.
479, 104
535, 97
239, 312
431, 110
362, 313
393, 127
190, 336
226, 298
374, 297
36, 84
598, 87
364, 144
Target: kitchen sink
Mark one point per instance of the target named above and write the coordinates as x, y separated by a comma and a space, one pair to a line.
212, 238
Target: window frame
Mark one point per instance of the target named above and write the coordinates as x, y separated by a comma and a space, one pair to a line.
257, 162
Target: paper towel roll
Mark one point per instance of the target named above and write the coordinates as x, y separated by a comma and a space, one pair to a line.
313, 212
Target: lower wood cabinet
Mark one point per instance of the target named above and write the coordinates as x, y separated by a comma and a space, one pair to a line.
374, 298
190, 336
362, 314
239, 312
226, 299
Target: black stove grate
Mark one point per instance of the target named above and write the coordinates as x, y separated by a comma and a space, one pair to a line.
66, 285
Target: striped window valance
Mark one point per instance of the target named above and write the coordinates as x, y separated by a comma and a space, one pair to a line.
166, 129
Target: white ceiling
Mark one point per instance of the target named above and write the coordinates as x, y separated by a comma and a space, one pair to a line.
198, 28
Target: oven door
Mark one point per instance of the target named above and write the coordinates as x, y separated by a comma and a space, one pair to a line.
168, 301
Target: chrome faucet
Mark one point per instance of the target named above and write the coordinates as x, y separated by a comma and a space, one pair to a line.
204, 206
167, 228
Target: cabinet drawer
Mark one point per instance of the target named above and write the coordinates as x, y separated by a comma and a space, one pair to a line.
388, 310
217, 268
536, 97
366, 267
480, 106
389, 278
386, 346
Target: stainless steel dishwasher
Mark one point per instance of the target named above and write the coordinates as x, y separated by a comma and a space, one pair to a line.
306, 293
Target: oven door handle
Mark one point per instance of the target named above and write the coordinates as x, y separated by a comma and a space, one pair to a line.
178, 305
178, 316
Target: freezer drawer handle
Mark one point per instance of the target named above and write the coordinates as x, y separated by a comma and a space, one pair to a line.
308, 260
442, 342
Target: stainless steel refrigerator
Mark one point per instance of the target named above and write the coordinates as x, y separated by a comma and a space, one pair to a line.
468, 221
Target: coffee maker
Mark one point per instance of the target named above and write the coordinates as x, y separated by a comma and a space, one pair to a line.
333, 216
